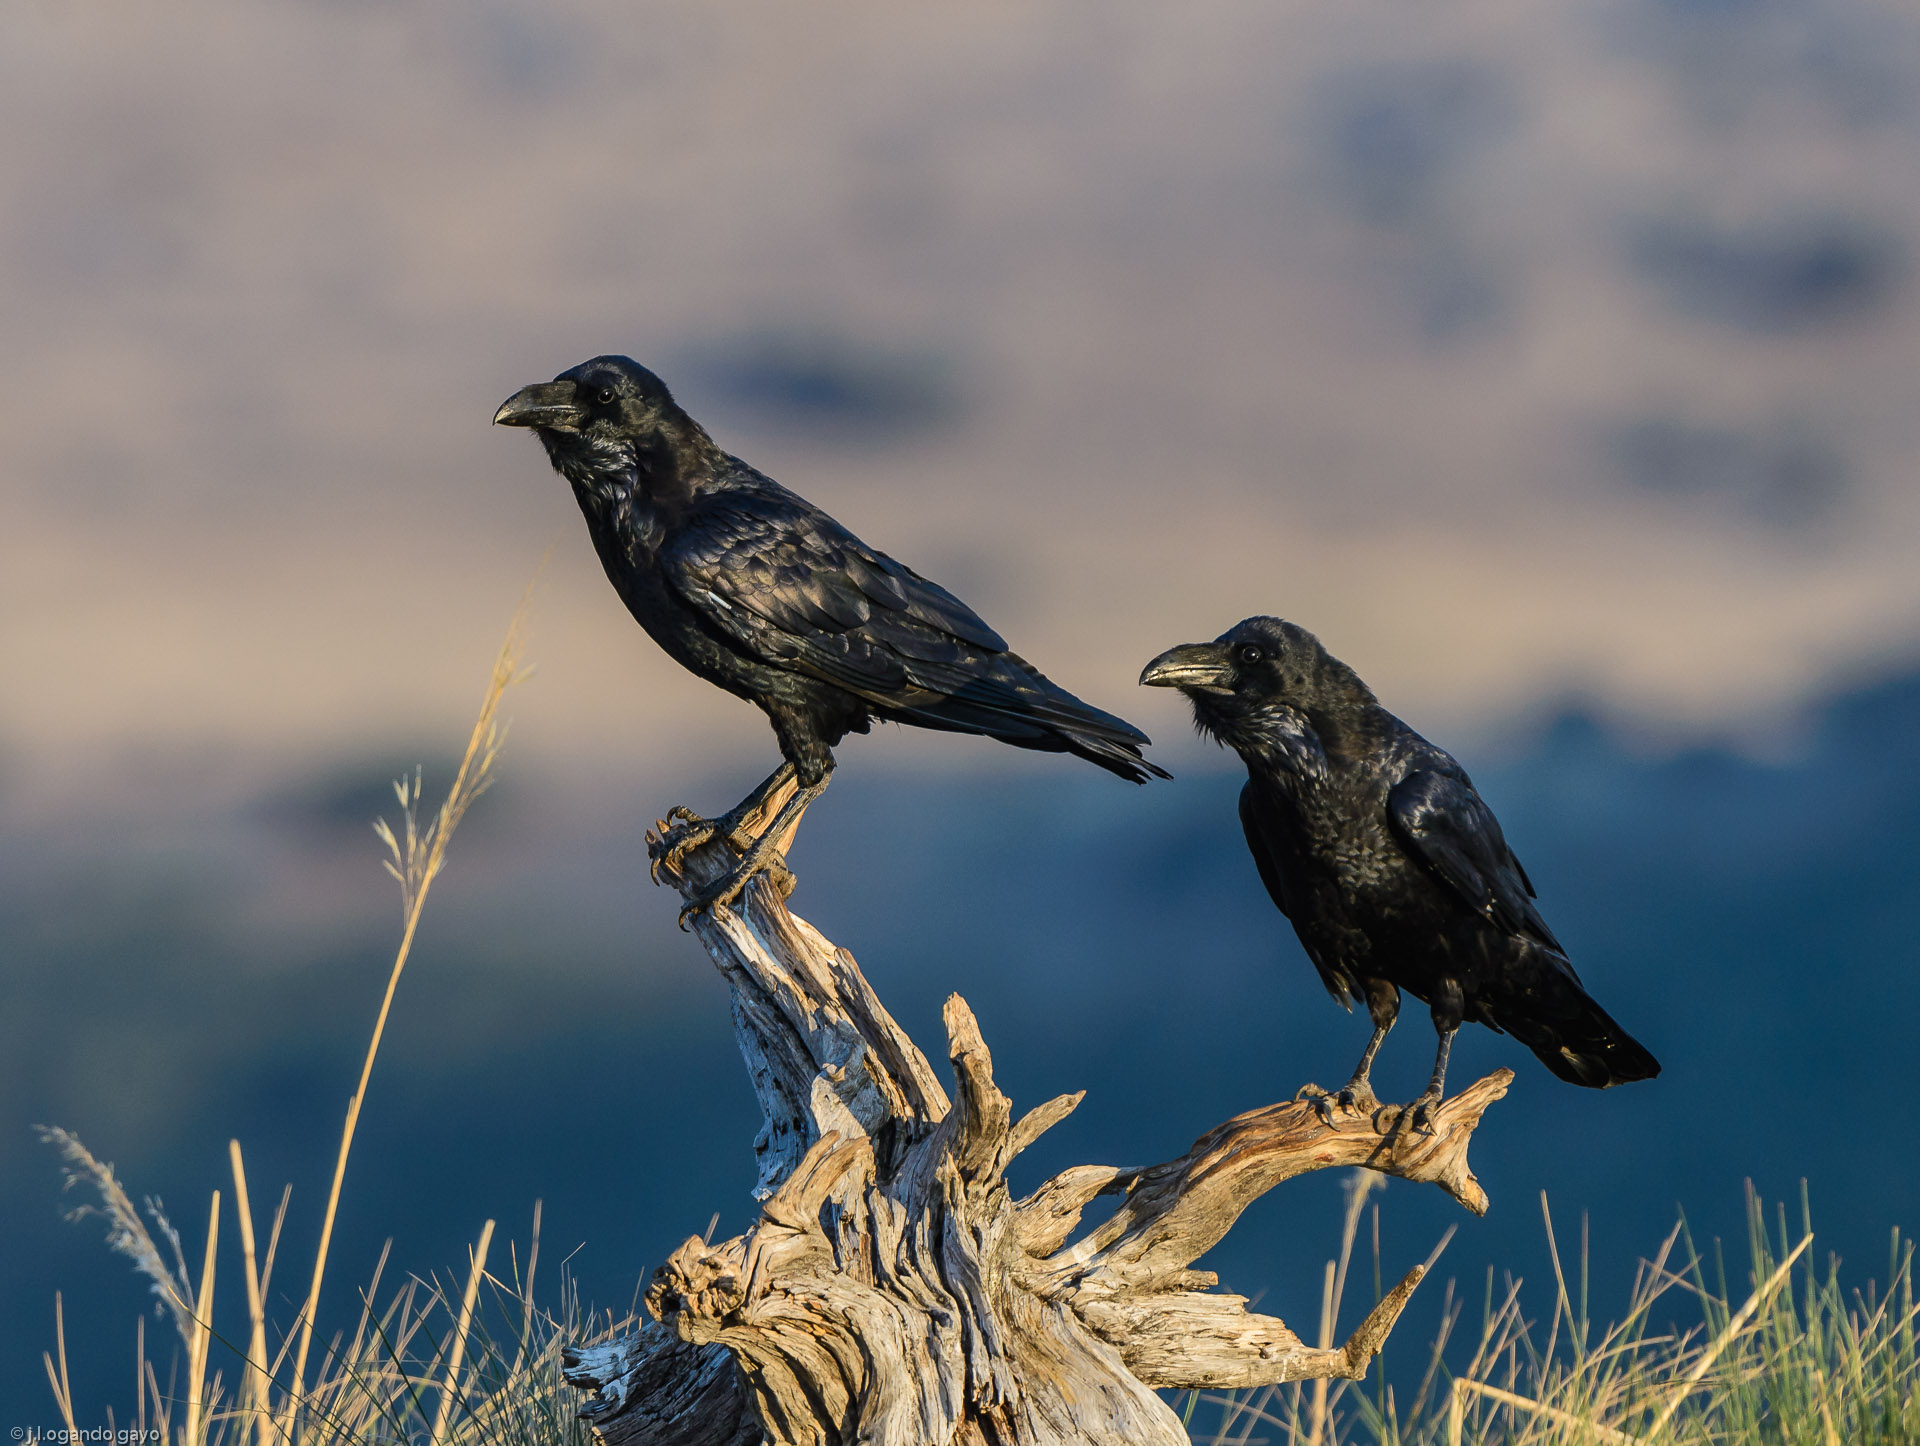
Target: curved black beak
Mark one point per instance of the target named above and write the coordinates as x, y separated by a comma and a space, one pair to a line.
544, 404
1202, 667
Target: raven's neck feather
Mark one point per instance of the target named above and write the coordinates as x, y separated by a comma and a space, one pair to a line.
1275, 738
620, 476
1288, 745
1301, 747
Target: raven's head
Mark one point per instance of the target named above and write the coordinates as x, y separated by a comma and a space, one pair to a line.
1263, 682
607, 419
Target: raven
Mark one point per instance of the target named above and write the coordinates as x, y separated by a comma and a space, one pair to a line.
1391, 868
759, 591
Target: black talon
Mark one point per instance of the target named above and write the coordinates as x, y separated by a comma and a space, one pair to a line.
1419, 1114
683, 830
691, 836
1355, 1097
693, 908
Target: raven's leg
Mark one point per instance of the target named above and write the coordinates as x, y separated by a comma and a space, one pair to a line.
1383, 1007
764, 853
1449, 1007
690, 830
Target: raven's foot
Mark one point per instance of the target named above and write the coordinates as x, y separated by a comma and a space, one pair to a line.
1355, 1097
727, 889
760, 851
1418, 1116
682, 831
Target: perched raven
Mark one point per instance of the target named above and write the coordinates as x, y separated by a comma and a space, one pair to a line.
761, 592
1393, 871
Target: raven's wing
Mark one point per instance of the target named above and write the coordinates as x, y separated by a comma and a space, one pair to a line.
1261, 849
1449, 828
786, 583
782, 579
1537, 998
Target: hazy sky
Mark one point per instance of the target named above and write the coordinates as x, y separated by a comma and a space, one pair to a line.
1520, 350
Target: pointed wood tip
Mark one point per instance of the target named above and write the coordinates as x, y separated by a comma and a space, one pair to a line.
1371, 1334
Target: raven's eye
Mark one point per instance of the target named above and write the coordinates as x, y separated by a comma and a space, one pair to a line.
606, 395
1247, 654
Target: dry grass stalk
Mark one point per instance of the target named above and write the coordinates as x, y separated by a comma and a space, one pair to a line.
416, 864
1456, 1415
450, 1378
255, 1388
1360, 1184
1707, 1357
198, 1403
62, 1390
524, 1289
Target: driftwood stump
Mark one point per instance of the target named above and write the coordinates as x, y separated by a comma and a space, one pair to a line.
893, 1292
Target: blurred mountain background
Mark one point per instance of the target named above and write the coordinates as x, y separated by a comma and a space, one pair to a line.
1555, 364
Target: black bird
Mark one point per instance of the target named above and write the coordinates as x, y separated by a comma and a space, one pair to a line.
759, 591
1391, 868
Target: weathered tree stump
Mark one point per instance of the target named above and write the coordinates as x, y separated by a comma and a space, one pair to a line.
893, 1291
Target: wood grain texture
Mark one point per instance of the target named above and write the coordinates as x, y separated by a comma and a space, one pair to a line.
893, 1292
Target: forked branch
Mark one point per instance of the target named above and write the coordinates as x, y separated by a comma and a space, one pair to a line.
892, 1291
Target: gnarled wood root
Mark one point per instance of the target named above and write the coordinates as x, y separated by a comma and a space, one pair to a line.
892, 1291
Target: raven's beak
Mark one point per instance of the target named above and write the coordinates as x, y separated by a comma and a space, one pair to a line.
544, 404
1202, 666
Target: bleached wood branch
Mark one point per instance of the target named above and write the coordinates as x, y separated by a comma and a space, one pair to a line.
892, 1291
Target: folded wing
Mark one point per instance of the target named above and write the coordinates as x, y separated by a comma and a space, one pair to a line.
1448, 827
784, 582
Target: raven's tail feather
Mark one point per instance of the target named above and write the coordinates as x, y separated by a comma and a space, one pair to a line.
1575, 1038
1118, 755
1023, 707
1119, 758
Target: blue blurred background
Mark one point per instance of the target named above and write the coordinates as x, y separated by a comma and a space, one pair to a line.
1556, 364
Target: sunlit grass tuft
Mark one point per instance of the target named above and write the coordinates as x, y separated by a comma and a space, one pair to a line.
1788, 1356
478, 1365
424, 1345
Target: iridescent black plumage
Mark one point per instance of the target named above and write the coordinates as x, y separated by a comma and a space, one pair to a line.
760, 592
1391, 868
